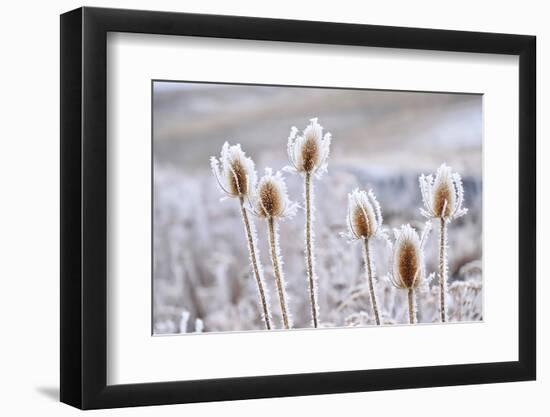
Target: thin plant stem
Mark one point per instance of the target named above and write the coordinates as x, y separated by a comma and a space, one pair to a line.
255, 268
442, 268
273, 245
309, 250
368, 267
412, 318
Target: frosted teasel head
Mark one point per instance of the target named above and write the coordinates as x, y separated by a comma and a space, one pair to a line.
270, 199
442, 196
234, 171
407, 262
308, 152
364, 217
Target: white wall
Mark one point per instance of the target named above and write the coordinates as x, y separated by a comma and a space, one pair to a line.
29, 238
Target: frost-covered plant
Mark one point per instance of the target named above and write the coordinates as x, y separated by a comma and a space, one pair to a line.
407, 263
221, 290
357, 319
442, 198
236, 178
364, 221
467, 300
308, 154
270, 201
199, 324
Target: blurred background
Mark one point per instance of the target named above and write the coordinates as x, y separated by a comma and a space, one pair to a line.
381, 140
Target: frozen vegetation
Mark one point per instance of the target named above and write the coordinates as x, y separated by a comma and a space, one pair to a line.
201, 269
202, 277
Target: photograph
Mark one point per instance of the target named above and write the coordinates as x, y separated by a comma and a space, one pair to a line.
303, 207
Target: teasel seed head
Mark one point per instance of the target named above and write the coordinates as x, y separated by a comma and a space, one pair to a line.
308, 153
270, 199
443, 196
236, 176
364, 216
407, 269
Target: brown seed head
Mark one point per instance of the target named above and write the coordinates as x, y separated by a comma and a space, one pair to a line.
234, 171
237, 178
363, 221
364, 215
408, 263
270, 199
310, 153
444, 196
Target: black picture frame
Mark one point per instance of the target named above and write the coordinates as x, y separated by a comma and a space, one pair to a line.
84, 207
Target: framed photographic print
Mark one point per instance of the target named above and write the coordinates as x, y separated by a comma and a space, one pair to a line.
257, 208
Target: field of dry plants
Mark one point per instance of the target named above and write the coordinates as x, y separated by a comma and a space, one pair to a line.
360, 235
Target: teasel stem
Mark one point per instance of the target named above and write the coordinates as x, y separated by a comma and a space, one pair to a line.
442, 268
254, 261
273, 245
412, 318
368, 266
309, 250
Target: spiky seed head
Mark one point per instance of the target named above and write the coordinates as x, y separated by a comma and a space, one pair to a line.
408, 261
444, 192
271, 197
308, 153
363, 219
310, 149
364, 215
236, 176
442, 196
